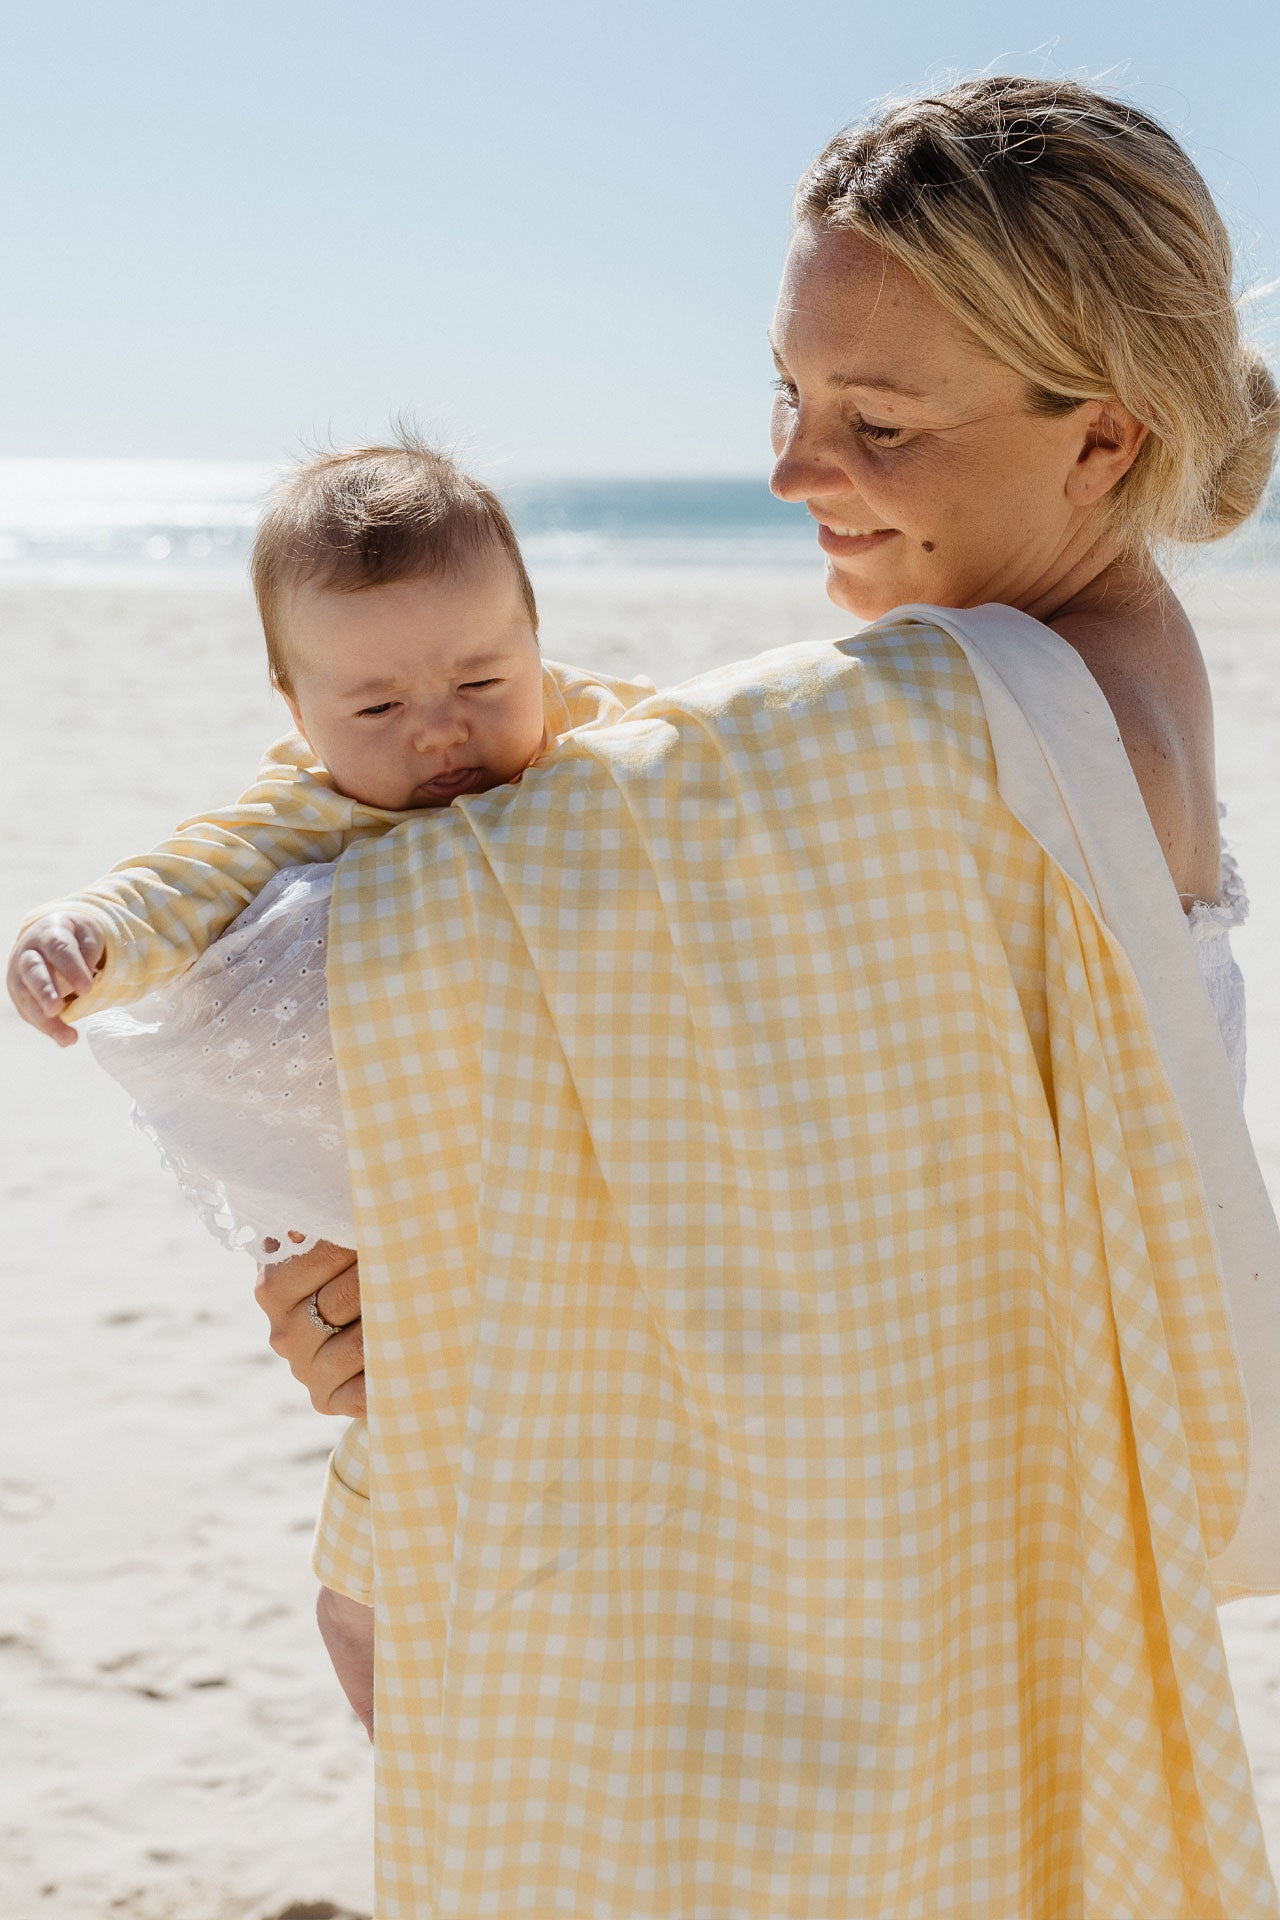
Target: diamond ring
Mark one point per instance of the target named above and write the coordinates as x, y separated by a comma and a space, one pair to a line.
317, 1319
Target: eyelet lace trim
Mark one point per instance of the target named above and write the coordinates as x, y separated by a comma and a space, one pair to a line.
1208, 918
230, 1068
268, 1245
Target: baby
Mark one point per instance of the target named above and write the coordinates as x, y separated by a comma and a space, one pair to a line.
402, 632
426, 685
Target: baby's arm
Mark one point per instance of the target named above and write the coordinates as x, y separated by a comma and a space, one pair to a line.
150, 918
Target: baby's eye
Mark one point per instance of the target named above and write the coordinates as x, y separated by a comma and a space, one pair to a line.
469, 685
372, 713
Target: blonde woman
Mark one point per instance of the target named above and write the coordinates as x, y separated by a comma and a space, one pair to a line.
1035, 286
808, 1435
1009, 359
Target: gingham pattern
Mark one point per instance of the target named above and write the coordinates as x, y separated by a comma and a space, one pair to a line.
160, 911
799, 1378
342, 1554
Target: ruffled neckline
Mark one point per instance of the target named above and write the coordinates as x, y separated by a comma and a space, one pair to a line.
1208, 918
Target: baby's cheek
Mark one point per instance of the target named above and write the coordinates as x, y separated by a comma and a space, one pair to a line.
372, 778
531, 733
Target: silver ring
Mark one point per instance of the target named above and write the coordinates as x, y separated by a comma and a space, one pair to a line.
317, 1319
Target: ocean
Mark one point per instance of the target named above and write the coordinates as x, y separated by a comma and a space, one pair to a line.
190, 522
135, 522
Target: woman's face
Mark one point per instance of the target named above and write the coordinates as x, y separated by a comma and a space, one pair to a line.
917, 453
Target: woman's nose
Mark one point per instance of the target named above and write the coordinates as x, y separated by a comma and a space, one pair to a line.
802, 469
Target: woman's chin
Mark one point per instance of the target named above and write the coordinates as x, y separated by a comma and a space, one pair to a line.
865, 599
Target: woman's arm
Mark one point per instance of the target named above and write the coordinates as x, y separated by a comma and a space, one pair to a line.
330, 1367
346, 1627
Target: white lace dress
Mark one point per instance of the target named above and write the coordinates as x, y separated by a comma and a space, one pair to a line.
231, 1066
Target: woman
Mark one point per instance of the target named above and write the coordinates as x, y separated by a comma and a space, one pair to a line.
1139, 300
1009, 369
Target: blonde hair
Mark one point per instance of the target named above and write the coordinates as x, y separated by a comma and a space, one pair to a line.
368, 516
1073, 236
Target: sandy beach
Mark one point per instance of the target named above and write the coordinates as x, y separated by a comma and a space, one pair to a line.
172, 1744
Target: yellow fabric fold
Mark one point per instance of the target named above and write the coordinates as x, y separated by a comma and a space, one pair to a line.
342, 1552
802, 1391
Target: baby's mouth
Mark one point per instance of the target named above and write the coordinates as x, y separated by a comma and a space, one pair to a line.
447, 786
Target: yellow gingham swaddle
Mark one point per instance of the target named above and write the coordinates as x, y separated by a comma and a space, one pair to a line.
801, 1388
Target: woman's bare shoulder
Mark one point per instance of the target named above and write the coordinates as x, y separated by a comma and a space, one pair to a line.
1149, 665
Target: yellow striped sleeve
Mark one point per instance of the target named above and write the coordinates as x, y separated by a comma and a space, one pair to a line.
159, 912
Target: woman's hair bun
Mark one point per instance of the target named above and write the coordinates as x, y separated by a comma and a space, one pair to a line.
1237, 488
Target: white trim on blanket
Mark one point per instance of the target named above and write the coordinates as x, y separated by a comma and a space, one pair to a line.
1062, 768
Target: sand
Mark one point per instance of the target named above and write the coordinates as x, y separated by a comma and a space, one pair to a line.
172, 1745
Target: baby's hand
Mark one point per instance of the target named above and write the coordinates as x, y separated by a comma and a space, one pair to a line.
52, 962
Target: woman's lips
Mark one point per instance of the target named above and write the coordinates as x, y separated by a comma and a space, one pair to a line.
845, 545
447, 786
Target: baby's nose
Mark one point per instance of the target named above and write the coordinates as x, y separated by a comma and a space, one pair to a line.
438, 726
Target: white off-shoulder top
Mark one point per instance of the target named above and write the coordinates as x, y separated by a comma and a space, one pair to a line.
1210, 930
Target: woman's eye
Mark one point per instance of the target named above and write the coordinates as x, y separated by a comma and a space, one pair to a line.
883, 436
372, 713
788, 392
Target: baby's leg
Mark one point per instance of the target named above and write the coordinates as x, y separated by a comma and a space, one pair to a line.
346, 1628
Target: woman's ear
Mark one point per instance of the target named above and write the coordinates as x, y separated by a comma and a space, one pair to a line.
1112, 440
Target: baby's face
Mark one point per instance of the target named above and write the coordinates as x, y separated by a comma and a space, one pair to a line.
415, 693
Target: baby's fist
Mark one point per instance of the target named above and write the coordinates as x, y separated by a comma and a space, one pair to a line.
53, 961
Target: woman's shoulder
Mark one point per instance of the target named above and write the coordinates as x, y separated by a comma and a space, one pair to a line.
1150, 668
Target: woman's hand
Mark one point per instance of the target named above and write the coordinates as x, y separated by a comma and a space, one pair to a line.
329, 1365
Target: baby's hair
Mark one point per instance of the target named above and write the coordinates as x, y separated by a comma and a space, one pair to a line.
369, 516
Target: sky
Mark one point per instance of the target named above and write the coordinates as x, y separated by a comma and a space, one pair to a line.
549, 231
